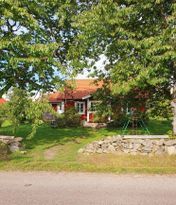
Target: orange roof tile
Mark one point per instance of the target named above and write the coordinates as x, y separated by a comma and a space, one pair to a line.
80, 88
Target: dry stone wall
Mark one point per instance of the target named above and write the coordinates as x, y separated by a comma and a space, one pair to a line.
118, 144
13, 143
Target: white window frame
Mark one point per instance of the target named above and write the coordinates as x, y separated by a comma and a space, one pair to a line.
90, 103
60, 105
76, 105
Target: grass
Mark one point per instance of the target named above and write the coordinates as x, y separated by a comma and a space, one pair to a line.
56, 150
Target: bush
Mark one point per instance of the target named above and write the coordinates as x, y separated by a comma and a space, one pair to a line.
60, 121
69, 119
118, 121
100, 118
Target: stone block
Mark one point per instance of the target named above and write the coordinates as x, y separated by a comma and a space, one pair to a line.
99, 151
13, 143
171, 150
111, 148
131, 146
170, 142
160, 142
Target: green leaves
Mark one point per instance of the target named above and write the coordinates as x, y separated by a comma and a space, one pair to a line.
138, 39
135, 36
34, 41
21, 109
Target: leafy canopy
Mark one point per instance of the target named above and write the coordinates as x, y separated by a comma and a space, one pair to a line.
138, 39
34, 39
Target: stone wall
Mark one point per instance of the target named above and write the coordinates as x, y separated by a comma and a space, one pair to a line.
13, 143
119, 145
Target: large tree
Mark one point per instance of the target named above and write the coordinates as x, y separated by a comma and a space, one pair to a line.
34, 39
138, 40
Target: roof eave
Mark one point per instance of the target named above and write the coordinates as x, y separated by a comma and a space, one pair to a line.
86, 97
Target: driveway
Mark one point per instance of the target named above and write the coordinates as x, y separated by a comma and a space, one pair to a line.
44, 188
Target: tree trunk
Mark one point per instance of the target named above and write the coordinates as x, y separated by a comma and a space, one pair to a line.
174, 116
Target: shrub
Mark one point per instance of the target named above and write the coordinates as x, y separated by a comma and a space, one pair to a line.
72, 118
60, 121
118, 121
69, 119
100, 118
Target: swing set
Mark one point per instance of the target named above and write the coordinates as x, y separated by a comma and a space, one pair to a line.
134, 121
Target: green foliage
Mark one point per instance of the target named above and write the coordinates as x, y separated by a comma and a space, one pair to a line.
98, 118
2, 113
104, 104
117, 122
18, 103
21, 108
103, 111
34, 113
41, 38
70, 118
15, 109
34, 39
160, 108
138, 42
135, 36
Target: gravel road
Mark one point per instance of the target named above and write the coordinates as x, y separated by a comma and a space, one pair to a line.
45, 188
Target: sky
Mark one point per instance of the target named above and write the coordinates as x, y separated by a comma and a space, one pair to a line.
99, 64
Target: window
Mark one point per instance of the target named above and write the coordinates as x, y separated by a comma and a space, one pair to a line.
60, 107
93, 105
80, 107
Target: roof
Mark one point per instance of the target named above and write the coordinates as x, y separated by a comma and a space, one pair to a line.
80, 89
2, 100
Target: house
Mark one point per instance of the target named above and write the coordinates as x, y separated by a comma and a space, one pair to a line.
79, 95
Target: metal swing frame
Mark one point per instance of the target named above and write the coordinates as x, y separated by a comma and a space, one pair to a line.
134, 120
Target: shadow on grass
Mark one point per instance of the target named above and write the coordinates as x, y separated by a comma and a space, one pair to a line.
155, 127
161, 127
51, 136
48, 136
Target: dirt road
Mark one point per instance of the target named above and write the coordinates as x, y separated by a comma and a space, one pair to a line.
42, 188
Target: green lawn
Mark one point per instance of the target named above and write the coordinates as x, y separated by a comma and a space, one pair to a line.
56, 150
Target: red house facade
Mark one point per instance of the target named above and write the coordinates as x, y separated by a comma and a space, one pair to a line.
79, 96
